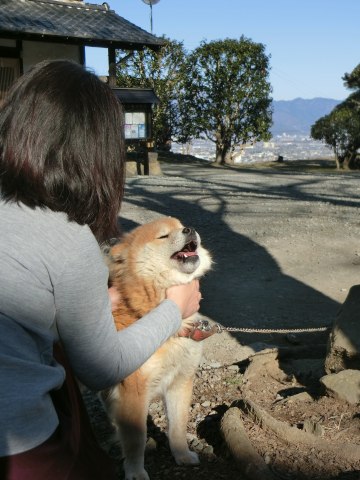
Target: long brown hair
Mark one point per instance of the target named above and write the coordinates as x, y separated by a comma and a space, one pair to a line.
62, 145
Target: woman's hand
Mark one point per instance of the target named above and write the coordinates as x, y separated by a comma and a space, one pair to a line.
187, 297
114, 298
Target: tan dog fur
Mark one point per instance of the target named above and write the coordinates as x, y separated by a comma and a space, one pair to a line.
141, 269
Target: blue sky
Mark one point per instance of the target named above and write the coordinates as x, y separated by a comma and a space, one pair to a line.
312, 43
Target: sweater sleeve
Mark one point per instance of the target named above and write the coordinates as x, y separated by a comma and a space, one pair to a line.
99, 354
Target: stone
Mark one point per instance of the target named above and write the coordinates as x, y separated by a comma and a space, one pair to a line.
134, 167
313, 427
215, 365
344, 385
154, 165
131, 169
301, 397
151, 444
344, 341
233, 368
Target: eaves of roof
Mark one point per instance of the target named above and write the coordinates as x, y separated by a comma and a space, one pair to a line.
71, 22
136, 95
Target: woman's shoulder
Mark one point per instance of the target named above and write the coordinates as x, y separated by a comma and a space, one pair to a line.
42, 226
46, 241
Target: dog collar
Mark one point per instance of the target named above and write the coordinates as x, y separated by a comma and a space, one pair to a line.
200, 330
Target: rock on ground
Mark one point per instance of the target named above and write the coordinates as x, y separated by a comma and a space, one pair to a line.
344, 340
344, 385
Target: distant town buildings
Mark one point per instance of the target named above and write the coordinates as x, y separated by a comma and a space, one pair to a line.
290, 147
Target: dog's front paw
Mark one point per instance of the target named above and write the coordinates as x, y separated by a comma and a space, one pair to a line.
187, 458
137, 476
134, 473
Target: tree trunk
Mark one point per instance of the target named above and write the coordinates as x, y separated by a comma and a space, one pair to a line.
222, 153
250, 461
228, 158
352, 160
345, 163
348, 160
338, 162
219, 158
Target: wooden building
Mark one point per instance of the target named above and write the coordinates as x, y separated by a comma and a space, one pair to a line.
35, 30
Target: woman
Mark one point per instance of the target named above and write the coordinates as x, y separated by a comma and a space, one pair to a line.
61, 186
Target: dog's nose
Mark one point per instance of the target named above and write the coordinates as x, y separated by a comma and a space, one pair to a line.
188, 231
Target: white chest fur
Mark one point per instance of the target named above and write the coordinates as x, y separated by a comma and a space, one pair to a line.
177, 357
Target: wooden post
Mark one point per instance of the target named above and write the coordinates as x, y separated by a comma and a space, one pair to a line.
112, 66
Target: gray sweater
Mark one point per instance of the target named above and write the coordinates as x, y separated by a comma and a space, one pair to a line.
53, 284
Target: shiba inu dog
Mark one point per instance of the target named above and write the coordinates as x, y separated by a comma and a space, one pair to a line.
142, 266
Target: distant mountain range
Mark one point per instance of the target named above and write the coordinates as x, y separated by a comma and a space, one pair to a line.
295, 117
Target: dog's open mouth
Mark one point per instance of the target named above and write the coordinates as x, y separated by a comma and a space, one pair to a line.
188, 252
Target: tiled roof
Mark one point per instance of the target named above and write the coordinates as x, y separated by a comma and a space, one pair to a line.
83, 23
136, 95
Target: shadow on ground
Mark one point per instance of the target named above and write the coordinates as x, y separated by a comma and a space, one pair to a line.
246, 286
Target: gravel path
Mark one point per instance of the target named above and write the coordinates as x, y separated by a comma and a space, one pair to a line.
286, 250
286, 245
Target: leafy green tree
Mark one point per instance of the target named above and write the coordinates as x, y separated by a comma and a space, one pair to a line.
340, 129
352, 80
225, 95
160, 71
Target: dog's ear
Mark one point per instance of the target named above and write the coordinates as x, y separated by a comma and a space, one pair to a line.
119, 249
118, 253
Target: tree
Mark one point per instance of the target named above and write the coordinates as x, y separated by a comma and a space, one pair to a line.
352, 80
159, 71
340, 129
225, 95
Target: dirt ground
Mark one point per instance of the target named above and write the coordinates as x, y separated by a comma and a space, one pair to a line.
286, 251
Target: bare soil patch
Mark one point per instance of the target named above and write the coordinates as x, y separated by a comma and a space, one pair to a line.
290, 394
286, 250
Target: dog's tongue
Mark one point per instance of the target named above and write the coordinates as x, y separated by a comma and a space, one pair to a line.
185, 254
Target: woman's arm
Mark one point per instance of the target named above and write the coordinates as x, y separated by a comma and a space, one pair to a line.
99, 355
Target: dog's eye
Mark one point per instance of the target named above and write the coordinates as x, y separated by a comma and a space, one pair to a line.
163, 236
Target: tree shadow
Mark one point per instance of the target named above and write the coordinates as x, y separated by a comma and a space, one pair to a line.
246, 286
